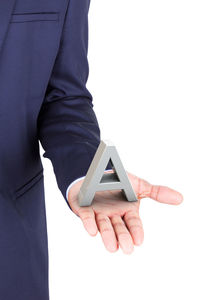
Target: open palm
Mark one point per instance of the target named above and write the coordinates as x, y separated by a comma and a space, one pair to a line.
117, 219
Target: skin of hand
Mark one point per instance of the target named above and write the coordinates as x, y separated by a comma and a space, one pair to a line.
117, 219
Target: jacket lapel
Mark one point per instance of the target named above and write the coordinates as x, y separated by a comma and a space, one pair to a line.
6, 8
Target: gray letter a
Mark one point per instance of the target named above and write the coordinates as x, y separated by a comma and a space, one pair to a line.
97, 180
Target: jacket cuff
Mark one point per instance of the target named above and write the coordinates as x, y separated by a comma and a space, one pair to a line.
72, 162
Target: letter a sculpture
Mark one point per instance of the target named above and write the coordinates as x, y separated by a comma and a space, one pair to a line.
97, 180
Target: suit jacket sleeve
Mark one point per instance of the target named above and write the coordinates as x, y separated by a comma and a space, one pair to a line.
67, 125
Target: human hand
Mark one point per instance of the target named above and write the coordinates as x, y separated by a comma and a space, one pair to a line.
117, 219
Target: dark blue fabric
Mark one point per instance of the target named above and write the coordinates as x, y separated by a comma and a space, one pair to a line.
43, 97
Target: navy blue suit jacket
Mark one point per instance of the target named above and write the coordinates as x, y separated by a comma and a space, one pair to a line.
43, 97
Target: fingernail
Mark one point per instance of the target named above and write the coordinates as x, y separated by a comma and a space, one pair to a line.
92, 231
128, 250
111, 248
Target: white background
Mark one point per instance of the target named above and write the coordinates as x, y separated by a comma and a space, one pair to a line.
144, 59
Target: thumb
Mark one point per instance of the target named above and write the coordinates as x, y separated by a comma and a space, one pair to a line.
159, 193
165, 194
